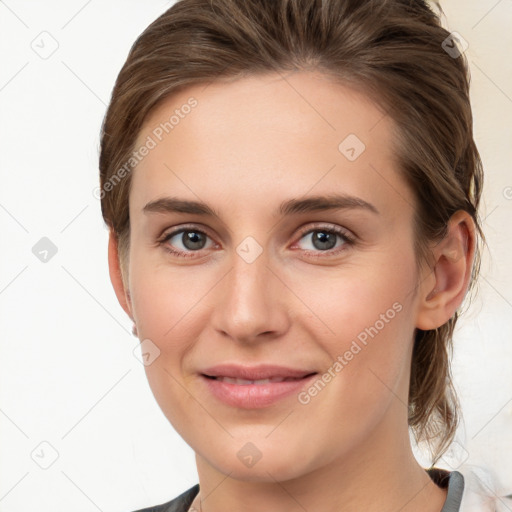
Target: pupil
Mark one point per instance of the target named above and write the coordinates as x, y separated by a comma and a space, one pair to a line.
192, 240
324, 240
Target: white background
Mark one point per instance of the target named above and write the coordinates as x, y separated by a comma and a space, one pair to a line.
69, 378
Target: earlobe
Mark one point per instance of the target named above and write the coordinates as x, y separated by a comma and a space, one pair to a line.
122, 294
451, 273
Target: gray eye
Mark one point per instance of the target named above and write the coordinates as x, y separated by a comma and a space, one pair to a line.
190, 240
322, 240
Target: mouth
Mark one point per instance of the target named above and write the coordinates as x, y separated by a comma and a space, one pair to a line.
255, 374
254, 387
257, 382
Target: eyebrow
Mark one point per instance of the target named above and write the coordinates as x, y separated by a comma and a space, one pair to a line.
286, 208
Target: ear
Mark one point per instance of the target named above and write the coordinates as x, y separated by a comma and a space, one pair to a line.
443, 289
114, 268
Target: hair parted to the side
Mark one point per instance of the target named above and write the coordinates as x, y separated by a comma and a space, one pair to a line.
390, 49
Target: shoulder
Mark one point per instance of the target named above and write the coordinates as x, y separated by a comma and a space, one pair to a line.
470, 488
453, 482
179, 504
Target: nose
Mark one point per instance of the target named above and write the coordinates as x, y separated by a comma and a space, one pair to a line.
251, 302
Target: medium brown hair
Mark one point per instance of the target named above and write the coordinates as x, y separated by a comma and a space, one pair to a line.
391, 49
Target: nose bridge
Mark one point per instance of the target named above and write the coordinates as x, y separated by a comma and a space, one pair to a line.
249, 303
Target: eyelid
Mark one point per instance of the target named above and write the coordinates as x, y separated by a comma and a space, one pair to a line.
348, 238
176, 230
318, 226
184, 227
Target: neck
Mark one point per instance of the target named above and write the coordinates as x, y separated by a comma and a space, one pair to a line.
379, 474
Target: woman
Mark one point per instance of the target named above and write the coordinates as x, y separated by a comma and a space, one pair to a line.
292, 188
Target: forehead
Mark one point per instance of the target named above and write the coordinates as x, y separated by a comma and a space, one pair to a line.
307, 105
255, 139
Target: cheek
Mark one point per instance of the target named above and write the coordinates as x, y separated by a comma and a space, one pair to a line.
347, 303
169, 308
165, 310
364, 322
164, 300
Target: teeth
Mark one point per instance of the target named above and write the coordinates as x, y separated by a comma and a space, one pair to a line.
231, 380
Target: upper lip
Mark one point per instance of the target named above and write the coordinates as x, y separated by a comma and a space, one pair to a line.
263, 371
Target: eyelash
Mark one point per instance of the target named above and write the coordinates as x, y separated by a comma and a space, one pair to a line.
348, 240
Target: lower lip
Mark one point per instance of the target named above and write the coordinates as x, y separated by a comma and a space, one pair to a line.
254, 396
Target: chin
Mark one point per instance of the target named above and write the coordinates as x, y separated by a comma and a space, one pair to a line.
245, 462
271, 471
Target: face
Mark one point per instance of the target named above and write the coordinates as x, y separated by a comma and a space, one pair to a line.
270, 274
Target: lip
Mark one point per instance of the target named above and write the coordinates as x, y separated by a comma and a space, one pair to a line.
255, 396
263, 371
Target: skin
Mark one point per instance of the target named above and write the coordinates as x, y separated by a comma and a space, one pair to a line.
248, 145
